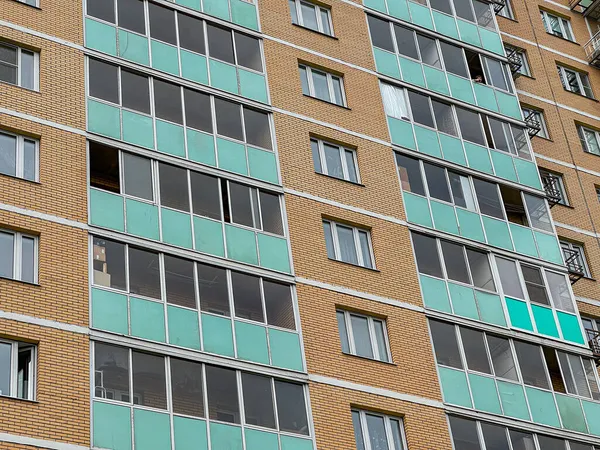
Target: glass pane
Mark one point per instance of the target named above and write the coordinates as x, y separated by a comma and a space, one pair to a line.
444, 118
212, 286
174, 187
441, 5
197, 110
580, 446
135, 92
8, 74
131, 15
162, 23
532, 365
429, 51
206, 200
187, 387
579, 376
309, 16
241, 205
104, 81
488, 198
337, 90
304, 80
590, 370
248, 52
410, 174
8, 154
341, 321
221, 385
220, 43
454, 260
405, 38
258, 131
333, 161
396, 434
246, 296
502, 358
7, 254
279, 305
521, 141
437, 183
538, 212
475, 352
144, 273
24, 372
109, 263
258, 400
394, 101
101, 9
480, 270
365, 249
484, 14
445, 345
351, 166
461, 191
179, 279
329, 240
501, 134
464, 434
111, 372
27, 69
191, 33
535, 285
550, 443
149, 382
28, 260
426, 253
29, 159
521, 441
470, 126
320, 85
377, 435
358, 434
421, 112
5, 368
362, 339
496, 73
293, 11
380, 338
314, 147
509, 278
270, 210
346, 244
454, 59
495, 437
8, 54
291, 407
229, 121
380, 33
137, 174
325, 21
167, 101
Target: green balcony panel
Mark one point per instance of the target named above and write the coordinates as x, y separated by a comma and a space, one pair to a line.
133, 47
201, 147
378, 5
398, 8
452, 149
109, 311
513, 400
232, 156
523, 240
142, 219
412, 72
427, 141
261, 440
217, 335
542, 406
208, 235
112, 426
478, 157
189, 434
435, 295
527, 173
241, 244
421, 15
251, 342
164, 57
497, 232
263, 165
445, 24
253, 85
100, 36
217, 8
504, 166
518, 314
285, 349
183, 327
461, 88
544, 320
194, 4
469, 224
490, 40
138, 129
454, 387
548, 247
169, 138
176, 228
571, 413
225, 436
485, 395
444, 217
294, 443
592, 414
223, 76
468, 32
193, 67
436, 80
386, 63
147, 319
152, 430
106, 210
244, 13
103, 119
509, 105
463, 301
485, 96
401, 133
417, 209
490, 308
273, 253
569, 326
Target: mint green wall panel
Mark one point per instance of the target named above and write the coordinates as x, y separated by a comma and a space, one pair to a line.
503, 165
225, 436
421, 15
152, 430
208, 235
193, 67
263, 165
138, 129
523, 240
513, 400
223, 76
378, 5
244, 14
273, 253
509, 104
518, 314
435, 295
527, 173
106, 210
497, 232
478, 157
164, 57
232, 156
169, 138
217, 335
485, 96
294, 443
112, 426
417, 209
454, 387
133, 47
401, 133
436, 80
190, 434
285, 349
548, 247
444, 217
427, 141
101, 37
147, 319
217, 8
176, 228
468, 32
485, 395
261, 440
109, 311
241, 244
461, 88
412, 72
251, 342
469, 224
445, 24
397, 8
386, 63
194, 4
592, 414
103, 119
253, 85
463, 301
201, 147
452, 149
490, 308
542, 406
569, 325
183, 327
142, 219
544, 320
571, 413
490, 40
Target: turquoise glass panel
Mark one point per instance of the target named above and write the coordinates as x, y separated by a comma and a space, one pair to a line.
592, 414
461, 88
244, 13
218, 8
444, 217
106, 210
544, 320
189, 434
427, 141
485, 396
463, 301
548, 247
412, 72
273, 253
164, 57
169, 138
147, 319
223, 76
208, 235
152, 430
194, 4
241, 244
112, 426
386, 63
417, 209
253, 85
454, 387
232, 156
509, 105
176, 228
468, 32
138, 129
435, 295
103, 119
542, 406
251, 342
261, 440
436, 80
569, 325
571, 413
399, 9
225, 436
513, 400
217, 335
485, 96
421, 15
497, 232
294, 443
263, 165
142, 219
445, 24
527, 173
523, 240
503, 165
478, 157
201, 147
470, 225
285, 349
401, 133
490, 308
183, 327
109, 311
378, 5
490, 40
101, 37
452, 149
518, 314
133, 47
193, 67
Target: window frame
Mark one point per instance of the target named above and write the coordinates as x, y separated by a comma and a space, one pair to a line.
544, 173
579, 248
583, 137
14, 369
20, 156
18, 255
565, 30
356, 240
507, 12
579, 78
342, 151
525, 68
299, 19
539, 116
19, 66
372, 335
35, 5
362, 414
311, 87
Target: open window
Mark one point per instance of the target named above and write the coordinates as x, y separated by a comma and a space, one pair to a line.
104, 167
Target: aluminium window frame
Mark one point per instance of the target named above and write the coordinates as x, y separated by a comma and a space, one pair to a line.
311, 87
372, 335
362, 414
565, 30
579, 248
14, 371
19, 67
356, 240
562, 71
544, 173
318, 9
342, 149
20, 156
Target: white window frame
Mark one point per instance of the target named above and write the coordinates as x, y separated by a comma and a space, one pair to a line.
311, 87
356, 240
564, 24
35, 4
507, 12
20, 156
388, 429
18, 255
578, 248
579, 77
14, 372
595, 323
539, 116
342, 150
372, 336
36, 66
584, 138
561, 185
299, 19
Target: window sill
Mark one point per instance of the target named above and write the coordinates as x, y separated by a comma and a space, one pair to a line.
542, 137
581, 95
20, 87
14, 177
315, 31
31, 6
339, 179
354, 265
507, 18
18, 399
20, 281
564, 39
328, 102
388, 363
527, 76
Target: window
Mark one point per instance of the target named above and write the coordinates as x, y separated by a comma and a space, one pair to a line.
558, 26
334, 160
322, 85
29, 2
575, 81
534, 117
521, 56
348, 244
554, 185
18, 256
507, 11
374, 431
19, 66
394, 101
306, 14
363, 336
590, 139
19, 156
569, 249
598, 193
17, 369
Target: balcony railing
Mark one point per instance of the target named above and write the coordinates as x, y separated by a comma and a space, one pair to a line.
594, 343
498, 5
574, 263
515, 63
592, 49
552, 188
533, 125
589, 8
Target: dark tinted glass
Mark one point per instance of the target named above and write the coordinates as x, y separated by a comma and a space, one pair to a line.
488, 199
206, 200
445, 344
279, 305
131, 15
104, 81
463, 9
109, 262
149, 381
111, 372
437, 183
475, 352
241, 205
270, 211
135, 91
144, 273
212, 287
258, 400
173, 187
405, 39
248, 52
102, 9
551, 443
380, 33
495, 437
137, 174
454, 59
532, 365
229, 120
470, 126
246, 296
480, 270
257, 127
410, 174
521, 441
454, 260
220, 43
167, 101
197, 110
162, 23
187, 387
464, 433
421, 111
191, 33
426, 253
291, 407
179, 278
441, 5
221, 385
